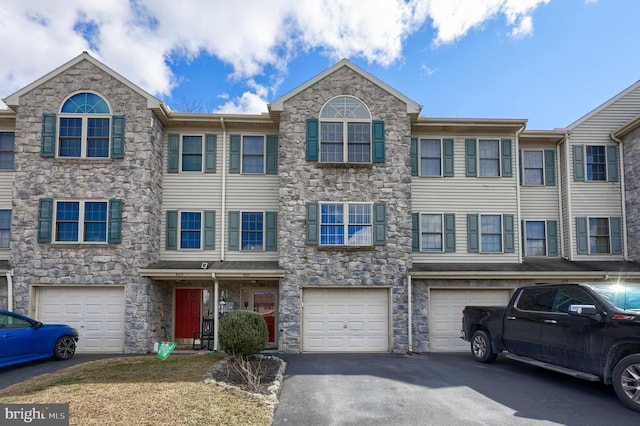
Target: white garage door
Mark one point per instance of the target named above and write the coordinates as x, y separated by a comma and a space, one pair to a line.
345, 320
97, 313
445, 315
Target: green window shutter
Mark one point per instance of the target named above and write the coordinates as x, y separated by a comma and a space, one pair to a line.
271, 231
447, 157
312, 139
612, 163
471, 157
578, 163
616, 235
582, 236
117, 136
415, 232
549, 167
507, 161
272, 154
48, 147
552, 238
172, 230
173, 163
473, 234
235, 146
210, 153
234, 230
209, 229
449, 232
414, 156
313, 223
45, 219
115, 221
379, 224
508, 233
520, 176
378, 141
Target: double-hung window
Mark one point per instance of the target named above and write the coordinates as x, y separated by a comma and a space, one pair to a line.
533, 166
599, 238
535, 236
5, 228
252, 231
430, 157
346, 224
345, 131
432, 232
191, 153
253, 154
190, 230
85, 123
599, 235
489, 157
596, 163
6, 150
490, 233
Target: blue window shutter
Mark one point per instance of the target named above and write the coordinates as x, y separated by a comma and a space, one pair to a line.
414, 156
115, 221
272, 154
378, 141
312, 139
612, 163
45, 220
117, 136
48, 147
508, 234
210, 153
379, 224
234, 230
449, 232
209, 229
271, 231
313, 223
552, 238
473, 234
616, 235
415, 232
471, 157
172, 230
447, 157
173, 162
507, 161
582, 236
234, 153
578, 163
549, 167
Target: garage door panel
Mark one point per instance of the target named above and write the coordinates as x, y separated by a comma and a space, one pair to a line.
354, 320
445, 314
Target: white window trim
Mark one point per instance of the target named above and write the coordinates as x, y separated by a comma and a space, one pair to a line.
478, 159
202, 137
345, 132
422, 232
524, 169
81, 212
345, 225
480, 215
606, 164
589, 233
180, 230
264, 153
546, 236
84, 136
425, 138
264, 230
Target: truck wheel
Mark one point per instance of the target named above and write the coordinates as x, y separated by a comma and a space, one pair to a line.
626, 381
481, 347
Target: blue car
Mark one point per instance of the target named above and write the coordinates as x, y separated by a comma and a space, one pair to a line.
23, 339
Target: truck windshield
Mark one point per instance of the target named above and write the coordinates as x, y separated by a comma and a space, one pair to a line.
623, 295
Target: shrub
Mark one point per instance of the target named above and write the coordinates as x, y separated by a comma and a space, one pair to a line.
243, 333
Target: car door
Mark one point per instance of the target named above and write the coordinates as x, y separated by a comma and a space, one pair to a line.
524, 321
19, 338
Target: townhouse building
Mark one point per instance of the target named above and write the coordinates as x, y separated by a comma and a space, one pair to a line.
348, 220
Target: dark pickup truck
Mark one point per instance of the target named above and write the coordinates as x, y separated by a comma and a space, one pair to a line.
590, 331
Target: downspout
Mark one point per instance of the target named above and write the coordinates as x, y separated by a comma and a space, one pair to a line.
623, 194
216, 316
410, 314
559, 188
223, 218
569, 201
9, 291
518, 206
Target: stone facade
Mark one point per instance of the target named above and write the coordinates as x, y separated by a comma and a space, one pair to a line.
631, 145
136, 180
302, 181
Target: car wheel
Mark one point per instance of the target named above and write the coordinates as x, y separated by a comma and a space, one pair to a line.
626, 381
65, 348
481, 347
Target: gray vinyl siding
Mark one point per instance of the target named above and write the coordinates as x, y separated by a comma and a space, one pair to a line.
540, 202
463, 195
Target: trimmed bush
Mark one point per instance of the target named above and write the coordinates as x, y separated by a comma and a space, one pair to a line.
243, 333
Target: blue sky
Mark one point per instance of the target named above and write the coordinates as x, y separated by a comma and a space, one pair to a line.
549, 61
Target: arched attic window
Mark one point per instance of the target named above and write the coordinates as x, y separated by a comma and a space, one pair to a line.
345, 131
84, 128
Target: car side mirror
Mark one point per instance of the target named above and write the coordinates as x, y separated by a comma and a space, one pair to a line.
38, 324
583, 309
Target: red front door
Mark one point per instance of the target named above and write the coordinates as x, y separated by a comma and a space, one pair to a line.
187, 312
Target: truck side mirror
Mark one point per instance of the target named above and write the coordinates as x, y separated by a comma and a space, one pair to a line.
583, 309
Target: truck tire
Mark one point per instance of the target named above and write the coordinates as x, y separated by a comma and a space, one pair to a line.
626, 381
481, 347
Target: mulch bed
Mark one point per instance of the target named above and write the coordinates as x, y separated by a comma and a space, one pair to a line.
264, 371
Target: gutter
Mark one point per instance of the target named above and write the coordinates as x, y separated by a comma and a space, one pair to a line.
569, 202
519, 209
9, 276
410, 314
532, 275
206, 274
623, 195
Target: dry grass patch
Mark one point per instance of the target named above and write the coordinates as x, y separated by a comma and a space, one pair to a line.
142, 390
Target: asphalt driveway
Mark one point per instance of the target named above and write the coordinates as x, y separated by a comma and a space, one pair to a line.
437, 389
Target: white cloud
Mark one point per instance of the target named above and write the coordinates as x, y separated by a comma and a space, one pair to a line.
141, 38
